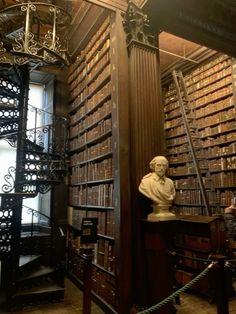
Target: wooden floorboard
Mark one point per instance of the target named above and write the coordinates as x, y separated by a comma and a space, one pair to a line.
72, 304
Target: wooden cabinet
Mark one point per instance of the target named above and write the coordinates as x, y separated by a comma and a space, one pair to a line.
196, 239
212, 97
97, 103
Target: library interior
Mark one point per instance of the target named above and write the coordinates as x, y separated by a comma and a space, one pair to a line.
118, 156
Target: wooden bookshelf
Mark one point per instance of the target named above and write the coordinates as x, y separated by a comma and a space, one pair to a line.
94, 186
212, 96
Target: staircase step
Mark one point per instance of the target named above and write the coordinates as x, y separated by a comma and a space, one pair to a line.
42, 289
40, 272
29, 234
28, 259
29, 145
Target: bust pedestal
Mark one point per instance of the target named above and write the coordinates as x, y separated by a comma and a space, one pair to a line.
161, 213
159, 266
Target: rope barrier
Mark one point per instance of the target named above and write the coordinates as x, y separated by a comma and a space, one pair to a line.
191, 257
176, 293
189, 284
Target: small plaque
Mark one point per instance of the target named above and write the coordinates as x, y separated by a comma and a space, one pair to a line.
89, 230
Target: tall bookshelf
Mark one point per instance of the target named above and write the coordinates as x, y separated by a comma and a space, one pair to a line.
97, 101
211, 90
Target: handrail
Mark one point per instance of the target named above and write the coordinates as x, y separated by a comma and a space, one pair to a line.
46, 216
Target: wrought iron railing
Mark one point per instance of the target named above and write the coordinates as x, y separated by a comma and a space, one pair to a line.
42, 236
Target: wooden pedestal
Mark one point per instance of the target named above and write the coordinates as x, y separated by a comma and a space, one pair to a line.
159, 267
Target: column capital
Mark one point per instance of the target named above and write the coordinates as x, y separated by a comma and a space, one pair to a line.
137, 27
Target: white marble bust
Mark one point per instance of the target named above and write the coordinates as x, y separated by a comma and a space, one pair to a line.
160, 189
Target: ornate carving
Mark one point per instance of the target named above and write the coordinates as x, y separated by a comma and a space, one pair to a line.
136, 25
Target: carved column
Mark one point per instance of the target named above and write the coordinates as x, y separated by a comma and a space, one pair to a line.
146, 110
146, 127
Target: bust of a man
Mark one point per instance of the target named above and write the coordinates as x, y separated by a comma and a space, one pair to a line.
160, 189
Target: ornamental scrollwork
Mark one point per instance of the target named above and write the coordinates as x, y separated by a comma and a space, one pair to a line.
10, 179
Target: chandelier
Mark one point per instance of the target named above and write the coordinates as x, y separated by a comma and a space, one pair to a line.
32, 31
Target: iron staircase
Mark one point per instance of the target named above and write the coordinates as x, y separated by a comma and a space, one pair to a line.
195, 144
31, 268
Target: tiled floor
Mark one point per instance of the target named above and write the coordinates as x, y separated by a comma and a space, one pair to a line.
190, 304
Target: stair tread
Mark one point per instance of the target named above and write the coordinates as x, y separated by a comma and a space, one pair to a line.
43, 270
25, 259
25, 234
43, 288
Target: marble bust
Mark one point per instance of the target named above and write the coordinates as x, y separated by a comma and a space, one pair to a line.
160, 189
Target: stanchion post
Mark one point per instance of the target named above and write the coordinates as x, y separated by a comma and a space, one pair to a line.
87, 296
220, 284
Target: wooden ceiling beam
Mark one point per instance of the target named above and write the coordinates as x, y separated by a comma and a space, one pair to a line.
203, 22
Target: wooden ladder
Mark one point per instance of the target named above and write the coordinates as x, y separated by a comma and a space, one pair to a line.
194, 140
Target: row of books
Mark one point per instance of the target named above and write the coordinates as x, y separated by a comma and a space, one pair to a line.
98, 195
188, 210
90, 119
172, 109
91, 152
97, 100
96, 39
205, 124
188, 168
92, 171
194, 197
106, 222
101, 128
203, 86
222, 163
222, 179
209, 68
176, 141
189, 182
219, 128
86, 88
104, 127
188, 196
92, 100
104, 74
104, 285
104, 254
221, 139
178, 154
98, 97
222, 104
209, 93
76, 71
214, 95
100, 148
96, 64
219, 117
78, 83
202, 72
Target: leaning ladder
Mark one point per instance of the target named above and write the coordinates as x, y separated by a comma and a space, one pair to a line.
193, 137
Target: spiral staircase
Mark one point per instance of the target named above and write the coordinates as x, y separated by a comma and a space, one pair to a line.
31, 257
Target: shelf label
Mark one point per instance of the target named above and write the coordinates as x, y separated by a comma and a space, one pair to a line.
89, 230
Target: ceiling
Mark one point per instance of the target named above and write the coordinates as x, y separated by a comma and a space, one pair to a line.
173, 49
210, 23
175, 43
184, 26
